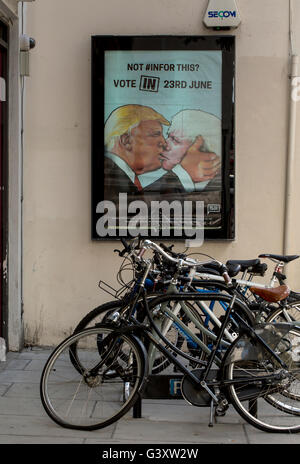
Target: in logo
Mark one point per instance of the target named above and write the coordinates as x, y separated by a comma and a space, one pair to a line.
149, 83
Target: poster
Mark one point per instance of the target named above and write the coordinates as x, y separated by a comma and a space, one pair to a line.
161, 157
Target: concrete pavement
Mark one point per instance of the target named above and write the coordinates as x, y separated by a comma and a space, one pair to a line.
24, 421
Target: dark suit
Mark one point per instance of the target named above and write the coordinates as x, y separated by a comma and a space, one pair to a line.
166, 188
214, 185
117, 181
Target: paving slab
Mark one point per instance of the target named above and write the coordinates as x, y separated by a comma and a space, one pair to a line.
187, 432
130, 441
35, 365
19, 376
18, 364
22, 390
36, 353
21, 406
258, 437
11, 355
183, 413
39, 440
181, 410
4, 387
43, 426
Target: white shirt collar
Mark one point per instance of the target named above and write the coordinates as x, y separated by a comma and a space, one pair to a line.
152, 176
149, 177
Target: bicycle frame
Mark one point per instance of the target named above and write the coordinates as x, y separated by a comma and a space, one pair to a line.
179, 325
148, 334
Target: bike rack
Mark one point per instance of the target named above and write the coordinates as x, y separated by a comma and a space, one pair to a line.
160, 387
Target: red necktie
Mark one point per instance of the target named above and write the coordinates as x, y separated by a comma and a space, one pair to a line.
137, 183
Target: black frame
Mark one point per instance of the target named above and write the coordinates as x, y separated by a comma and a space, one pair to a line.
226, 44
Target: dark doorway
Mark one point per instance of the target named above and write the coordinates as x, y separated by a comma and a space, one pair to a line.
3, 175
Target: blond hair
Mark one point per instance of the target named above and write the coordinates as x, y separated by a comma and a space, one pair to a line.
124, 118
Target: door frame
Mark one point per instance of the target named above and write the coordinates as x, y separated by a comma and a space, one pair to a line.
13, 262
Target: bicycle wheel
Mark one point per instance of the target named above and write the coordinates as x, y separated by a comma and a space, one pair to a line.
289, 398
287, 313
104, 385
101, 313
270, 401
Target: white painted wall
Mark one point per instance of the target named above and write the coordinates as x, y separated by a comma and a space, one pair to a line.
62, 266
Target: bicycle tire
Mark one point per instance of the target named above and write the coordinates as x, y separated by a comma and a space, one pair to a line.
287, 313
99, 315
266, 406
96, 315
87, 399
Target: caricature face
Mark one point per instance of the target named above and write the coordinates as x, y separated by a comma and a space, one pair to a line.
146, 145
176, 147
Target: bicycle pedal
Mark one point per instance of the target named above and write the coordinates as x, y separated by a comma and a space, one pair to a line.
221, 408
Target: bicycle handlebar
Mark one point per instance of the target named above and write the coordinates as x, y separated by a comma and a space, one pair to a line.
125, 244
187, 261
154, 246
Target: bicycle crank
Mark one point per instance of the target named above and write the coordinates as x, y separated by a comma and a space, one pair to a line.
202, 394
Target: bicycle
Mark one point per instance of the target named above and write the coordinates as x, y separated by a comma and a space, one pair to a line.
204, 314
260, 367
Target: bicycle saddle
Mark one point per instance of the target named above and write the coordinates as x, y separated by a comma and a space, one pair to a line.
233, 269
283, 258
210, 268
272, 295
244, 263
